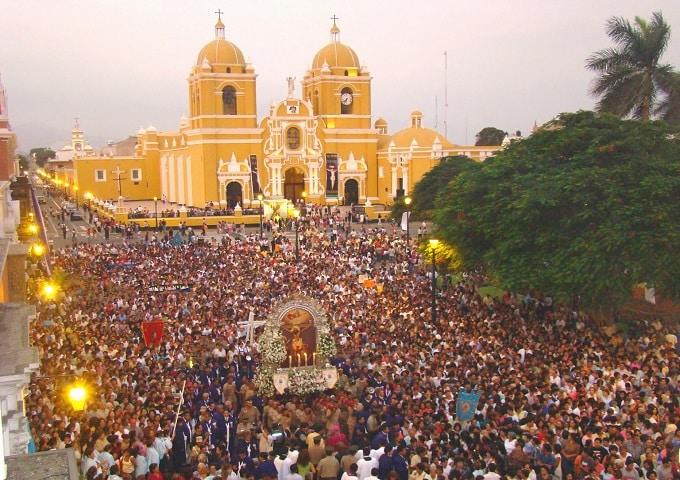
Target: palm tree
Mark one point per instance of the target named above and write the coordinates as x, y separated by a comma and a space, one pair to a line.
632, 79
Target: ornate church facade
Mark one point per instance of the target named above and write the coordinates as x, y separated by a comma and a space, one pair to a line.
321, 145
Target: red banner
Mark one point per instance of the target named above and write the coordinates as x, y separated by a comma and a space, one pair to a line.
153, 332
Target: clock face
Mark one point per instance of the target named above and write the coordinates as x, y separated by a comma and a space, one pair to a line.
346, 98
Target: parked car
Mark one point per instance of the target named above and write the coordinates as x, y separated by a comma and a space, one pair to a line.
76, 215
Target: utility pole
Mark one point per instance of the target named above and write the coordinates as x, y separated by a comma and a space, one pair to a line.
446, 95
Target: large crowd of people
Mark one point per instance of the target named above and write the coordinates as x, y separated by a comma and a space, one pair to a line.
560, 399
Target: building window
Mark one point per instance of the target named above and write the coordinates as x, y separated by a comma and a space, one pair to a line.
100, 175
229, 100
136, 174
293, 138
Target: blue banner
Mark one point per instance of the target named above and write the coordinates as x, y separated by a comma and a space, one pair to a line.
466, 405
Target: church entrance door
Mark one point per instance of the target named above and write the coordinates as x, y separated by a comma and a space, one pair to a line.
234, 194
294, 184
351, 192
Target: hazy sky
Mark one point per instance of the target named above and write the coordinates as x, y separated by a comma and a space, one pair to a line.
122, 64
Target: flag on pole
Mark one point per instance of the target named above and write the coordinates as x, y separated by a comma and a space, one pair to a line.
404, 221
153, 332
466, 405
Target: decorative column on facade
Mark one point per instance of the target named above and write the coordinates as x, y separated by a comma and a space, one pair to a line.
404, 173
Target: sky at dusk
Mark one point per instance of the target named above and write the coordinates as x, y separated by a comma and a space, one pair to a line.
120, 65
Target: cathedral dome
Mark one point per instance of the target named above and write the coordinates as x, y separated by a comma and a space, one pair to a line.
423, 137
221, 52
336, 54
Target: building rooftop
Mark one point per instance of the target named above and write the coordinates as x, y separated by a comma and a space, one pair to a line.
55, 465
15, 353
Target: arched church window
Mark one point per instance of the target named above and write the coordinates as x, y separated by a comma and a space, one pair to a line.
229, 100
346, 101
316, 102
228, 69
293, 138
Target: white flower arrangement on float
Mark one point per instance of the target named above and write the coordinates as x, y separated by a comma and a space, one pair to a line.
305, 381
264, 381
272, 347
326, 346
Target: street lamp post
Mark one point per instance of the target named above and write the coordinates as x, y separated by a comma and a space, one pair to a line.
155, 210
296, 216
260, 198
433, 246
88, 196
407, 202
75, 189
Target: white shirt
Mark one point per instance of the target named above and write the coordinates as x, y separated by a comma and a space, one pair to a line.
376, 454
366, 464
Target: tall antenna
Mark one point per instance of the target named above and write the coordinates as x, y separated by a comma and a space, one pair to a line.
436, 116
446, 95
466, 130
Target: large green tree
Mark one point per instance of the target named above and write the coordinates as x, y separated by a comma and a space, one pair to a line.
429, 186
435, 181
589, 207
489, 136
632, 80
42, 154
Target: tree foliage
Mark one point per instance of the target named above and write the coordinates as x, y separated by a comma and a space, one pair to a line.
632, 79
23, 161
434, 182
590, 207
489, 136
42, 154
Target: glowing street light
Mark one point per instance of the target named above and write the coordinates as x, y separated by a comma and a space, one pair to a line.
38, 250
33, 228
77, 397
49, 290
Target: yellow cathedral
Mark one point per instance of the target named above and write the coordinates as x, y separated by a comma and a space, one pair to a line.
321, 145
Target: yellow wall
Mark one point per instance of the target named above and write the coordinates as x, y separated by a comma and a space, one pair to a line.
145, 189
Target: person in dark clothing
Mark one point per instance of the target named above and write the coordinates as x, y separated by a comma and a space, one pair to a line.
400, 464
385, 463
266, 467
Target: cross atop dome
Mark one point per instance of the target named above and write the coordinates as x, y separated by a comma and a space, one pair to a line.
335, 31
219, 26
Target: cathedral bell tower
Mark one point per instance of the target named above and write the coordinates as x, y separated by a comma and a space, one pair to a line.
222, 86
338, 87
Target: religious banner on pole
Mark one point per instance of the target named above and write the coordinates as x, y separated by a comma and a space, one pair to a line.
404, 221
466, 405
153, 332
254, 177
331, 174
